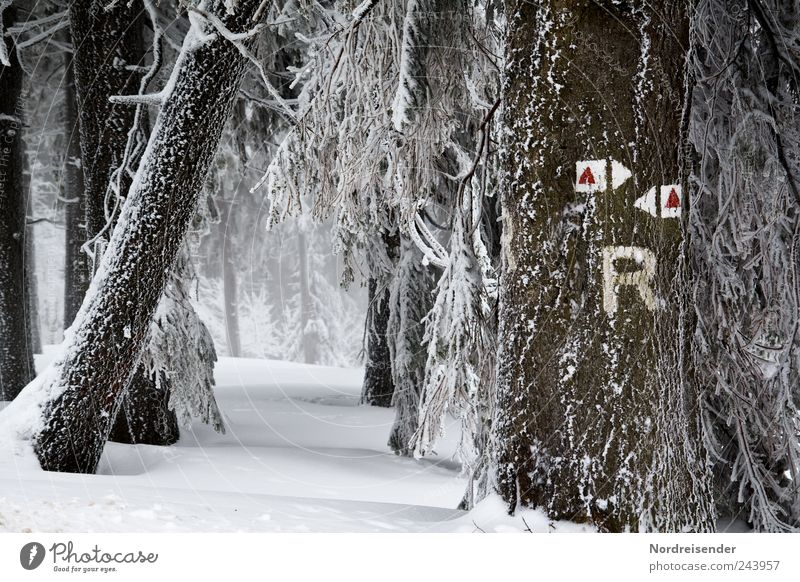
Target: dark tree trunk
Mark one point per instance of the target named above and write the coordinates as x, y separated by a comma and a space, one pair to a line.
16, 354
100, 361
77, 270
108, 46
378, 386
145, 417
594, 422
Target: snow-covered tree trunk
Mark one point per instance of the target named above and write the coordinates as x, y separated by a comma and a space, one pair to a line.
77, 270
594, 422
82, 391
745, 237
16, 356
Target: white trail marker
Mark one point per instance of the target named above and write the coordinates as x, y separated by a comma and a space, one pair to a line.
641, 278
668, 203
591, 175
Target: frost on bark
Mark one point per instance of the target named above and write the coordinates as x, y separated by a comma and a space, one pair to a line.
593, 422
109, 53
16, 354
745, 237
82, 391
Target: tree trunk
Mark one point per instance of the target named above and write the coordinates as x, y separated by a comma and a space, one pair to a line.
411, 299
378, 386
594, 422
145, 417
77, 271
114, 321
16, 354
229, 281
108, 46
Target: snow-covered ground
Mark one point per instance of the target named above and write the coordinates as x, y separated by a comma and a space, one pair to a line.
299, 454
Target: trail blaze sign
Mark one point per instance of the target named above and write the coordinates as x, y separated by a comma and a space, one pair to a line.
592, 175
666, 204
640, 278
671, 200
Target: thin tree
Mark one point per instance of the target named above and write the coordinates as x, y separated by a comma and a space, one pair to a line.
16, 353
77, 269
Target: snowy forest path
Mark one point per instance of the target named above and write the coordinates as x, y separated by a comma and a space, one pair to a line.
299, 454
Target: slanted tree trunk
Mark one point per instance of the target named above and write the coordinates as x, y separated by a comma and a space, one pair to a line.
16, 354
114, 321
109, 44
77, 271
594, 422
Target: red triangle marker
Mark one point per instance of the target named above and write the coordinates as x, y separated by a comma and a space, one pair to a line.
587, 177
673, 200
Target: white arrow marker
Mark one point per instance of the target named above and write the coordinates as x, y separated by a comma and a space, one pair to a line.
590, 175
619, 174
648, 202
669, 202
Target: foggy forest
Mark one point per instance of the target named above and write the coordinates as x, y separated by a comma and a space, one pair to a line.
400, 265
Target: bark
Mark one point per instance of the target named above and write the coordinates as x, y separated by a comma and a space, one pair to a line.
378, 386
594, 421
107, 43
145, 417
85, 390
16, 354
77, 270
